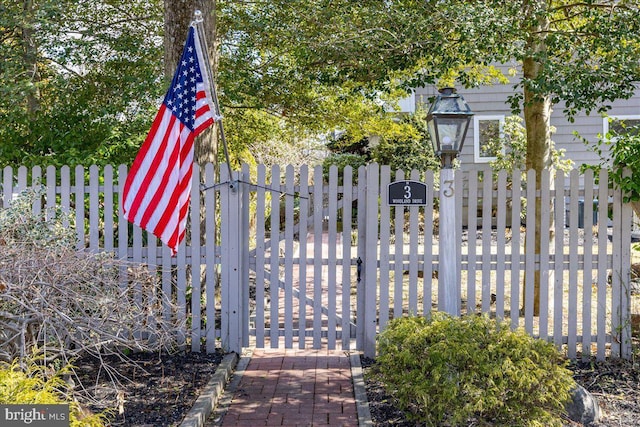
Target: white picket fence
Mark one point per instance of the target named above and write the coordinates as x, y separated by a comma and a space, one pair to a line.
282, 261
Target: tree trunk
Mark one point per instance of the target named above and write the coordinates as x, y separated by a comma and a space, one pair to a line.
178, 15
537, 114
538, 143
30, 58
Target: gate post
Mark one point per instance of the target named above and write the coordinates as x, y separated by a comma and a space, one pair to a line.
232, 265
361, 216
370, 265
448, 275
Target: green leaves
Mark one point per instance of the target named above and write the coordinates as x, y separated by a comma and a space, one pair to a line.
449, 371
592, 53
82, 79
42, 384
90, 79
619, 151
511, 149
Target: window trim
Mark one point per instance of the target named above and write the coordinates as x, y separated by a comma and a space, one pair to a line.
477, 158
605, 121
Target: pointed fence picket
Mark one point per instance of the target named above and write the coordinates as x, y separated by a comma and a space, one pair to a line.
301, 257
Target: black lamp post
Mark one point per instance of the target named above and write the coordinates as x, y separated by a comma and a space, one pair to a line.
448, 120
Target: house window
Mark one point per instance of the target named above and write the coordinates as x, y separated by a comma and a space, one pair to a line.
487, 132
621, 124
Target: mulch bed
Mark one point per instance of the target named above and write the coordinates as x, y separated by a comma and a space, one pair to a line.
616, 385
148, 389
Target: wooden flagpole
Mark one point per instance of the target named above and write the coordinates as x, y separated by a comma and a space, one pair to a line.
199, 20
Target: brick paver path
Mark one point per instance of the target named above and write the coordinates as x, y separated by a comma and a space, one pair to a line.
292, 387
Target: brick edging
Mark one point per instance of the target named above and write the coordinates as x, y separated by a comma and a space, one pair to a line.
208, 398
360, 392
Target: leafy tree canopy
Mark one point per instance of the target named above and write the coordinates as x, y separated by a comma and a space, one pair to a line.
583, 54
82, 80
590, 54
79, 80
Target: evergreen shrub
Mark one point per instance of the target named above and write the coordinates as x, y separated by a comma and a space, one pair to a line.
450, 371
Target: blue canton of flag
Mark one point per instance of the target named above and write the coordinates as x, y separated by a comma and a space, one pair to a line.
181, 96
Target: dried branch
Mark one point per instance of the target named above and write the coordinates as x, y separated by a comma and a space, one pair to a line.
64, 304
58, 304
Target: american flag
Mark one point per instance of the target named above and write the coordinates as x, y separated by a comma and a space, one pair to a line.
157, 190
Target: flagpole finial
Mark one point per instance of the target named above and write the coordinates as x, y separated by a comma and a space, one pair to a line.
198, 16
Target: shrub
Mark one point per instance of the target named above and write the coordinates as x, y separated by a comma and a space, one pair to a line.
448, 371
34, 386
511, 149
20, 225
619, 152
341, 161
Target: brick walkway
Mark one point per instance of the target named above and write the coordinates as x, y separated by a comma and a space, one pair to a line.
292, 387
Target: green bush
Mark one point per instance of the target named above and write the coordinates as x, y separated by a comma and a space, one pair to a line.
341, 161
450, 371
34, 385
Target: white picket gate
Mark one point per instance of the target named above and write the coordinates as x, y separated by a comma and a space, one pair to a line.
272, 258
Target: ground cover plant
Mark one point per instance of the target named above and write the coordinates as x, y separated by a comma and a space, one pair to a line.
32, 384
448, 371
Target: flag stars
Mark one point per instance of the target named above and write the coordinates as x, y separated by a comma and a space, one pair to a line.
181, 98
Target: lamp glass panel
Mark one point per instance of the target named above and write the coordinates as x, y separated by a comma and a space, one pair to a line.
432, 133
451, 132
452, 105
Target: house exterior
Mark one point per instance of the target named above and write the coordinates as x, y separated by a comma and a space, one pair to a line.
490, 108
489, 104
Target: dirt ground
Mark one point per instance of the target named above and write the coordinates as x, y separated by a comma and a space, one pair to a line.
149, 390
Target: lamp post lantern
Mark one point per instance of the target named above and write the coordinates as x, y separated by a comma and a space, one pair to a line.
448, 121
